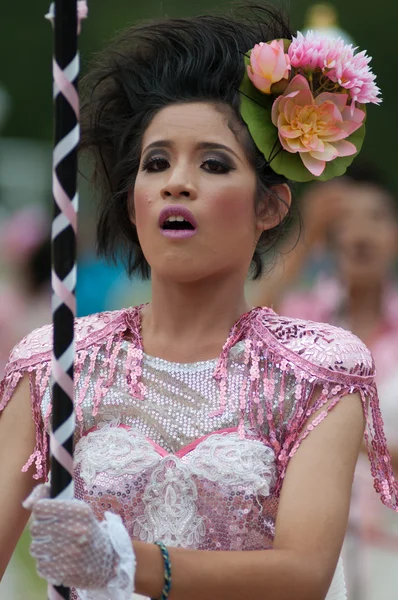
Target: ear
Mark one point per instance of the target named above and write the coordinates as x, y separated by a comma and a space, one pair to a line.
130, 205
274, 207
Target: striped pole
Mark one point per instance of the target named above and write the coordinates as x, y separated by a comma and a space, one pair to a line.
66, 20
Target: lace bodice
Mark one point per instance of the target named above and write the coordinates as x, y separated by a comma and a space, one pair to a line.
195, 454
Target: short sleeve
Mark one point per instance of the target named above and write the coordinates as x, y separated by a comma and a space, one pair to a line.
313, 367
31, 357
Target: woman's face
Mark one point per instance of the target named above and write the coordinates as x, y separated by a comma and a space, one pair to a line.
194, 196
366, 234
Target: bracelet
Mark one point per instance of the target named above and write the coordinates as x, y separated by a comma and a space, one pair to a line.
167, 571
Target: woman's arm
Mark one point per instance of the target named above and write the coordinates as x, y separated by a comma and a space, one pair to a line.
17, 440
310, 528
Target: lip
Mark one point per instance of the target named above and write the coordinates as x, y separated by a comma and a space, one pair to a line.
174, 210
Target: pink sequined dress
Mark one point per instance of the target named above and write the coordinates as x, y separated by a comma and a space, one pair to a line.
195, 454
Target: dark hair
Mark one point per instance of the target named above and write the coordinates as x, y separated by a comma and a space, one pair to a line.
147, 68
39, 267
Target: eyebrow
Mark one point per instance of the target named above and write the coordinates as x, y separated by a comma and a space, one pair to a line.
199, 146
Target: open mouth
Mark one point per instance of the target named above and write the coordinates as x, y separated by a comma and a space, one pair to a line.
177, 223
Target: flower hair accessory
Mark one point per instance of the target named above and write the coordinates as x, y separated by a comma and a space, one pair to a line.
303, 102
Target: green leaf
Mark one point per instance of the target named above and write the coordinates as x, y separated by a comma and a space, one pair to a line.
256, 112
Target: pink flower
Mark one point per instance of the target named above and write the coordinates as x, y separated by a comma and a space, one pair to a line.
308, 51
338, 62
316, 128
268, 64
352, 72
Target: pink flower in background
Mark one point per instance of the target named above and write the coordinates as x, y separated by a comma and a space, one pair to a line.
268, 64
316, 128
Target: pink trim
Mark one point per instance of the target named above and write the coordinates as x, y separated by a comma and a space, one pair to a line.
192, 445
158, 448
66, 88
180, 453
63, 293
62, 378
62, 456
64, 203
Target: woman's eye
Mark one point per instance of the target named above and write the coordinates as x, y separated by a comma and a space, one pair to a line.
213, 165
155, 164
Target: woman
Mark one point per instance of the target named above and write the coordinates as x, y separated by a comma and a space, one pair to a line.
205, 427
359, 240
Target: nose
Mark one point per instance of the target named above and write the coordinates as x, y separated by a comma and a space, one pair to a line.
179, 185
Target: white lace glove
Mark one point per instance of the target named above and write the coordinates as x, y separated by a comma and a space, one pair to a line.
73, 549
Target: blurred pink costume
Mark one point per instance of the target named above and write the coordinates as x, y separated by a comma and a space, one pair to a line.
371, 546
195, 454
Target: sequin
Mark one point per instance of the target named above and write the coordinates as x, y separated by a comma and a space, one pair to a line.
180, 427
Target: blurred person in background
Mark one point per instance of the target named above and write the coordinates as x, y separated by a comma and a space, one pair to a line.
25, 266
323, 19
342, 272
25, 302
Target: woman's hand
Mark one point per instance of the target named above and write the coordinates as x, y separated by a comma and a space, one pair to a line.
75, 550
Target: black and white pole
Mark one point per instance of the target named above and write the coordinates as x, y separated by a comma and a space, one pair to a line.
65, 16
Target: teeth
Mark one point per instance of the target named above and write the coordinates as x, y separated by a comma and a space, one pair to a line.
177, 218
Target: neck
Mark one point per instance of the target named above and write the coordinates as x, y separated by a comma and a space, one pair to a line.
364, 308
189, 322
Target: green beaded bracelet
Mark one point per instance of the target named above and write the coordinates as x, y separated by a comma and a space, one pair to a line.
167, 571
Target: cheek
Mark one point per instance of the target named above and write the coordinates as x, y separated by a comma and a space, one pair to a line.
141, 206
234, 208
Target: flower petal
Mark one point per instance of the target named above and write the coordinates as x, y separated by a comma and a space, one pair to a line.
276, 109
329, 153
345, 148
288, 109
288, 132
357, 115
262, 84
316, 167
291, 146
298, 83
340, 100
335, 134
266, 60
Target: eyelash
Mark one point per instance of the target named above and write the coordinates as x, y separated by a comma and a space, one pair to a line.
146, 166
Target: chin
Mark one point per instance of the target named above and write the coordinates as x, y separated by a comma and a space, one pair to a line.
182, 271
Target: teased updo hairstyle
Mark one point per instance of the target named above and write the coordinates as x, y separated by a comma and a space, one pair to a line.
148, 68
